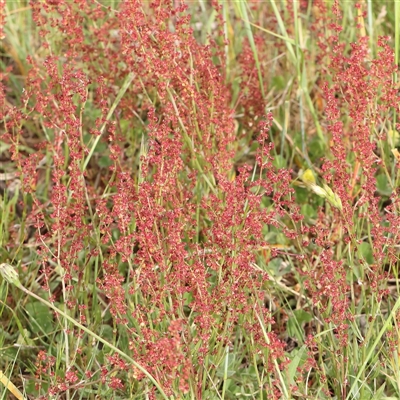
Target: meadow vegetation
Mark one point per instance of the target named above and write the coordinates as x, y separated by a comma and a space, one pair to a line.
199, 200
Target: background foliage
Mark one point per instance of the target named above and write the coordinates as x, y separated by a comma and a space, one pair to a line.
201, 200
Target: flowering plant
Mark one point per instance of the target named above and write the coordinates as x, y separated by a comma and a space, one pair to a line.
162, 243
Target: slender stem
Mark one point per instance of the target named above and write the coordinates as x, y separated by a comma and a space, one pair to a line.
89, 332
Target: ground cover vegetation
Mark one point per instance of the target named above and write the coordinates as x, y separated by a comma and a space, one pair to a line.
199, 200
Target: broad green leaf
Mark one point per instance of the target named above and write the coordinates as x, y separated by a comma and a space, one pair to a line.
382, 185
41, 318
366, 252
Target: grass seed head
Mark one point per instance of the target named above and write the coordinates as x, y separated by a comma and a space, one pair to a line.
9, 274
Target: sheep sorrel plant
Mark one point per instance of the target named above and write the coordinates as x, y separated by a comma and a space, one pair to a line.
199, 200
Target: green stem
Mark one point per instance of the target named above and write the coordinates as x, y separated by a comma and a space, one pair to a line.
89, 332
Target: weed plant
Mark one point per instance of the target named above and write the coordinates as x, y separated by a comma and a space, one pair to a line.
199, 200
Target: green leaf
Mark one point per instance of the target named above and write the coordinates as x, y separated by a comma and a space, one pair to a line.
295, 322
105, 162
316, 149
231, 359
382, 185
379, 394
278, 82
188, 297
309, 211
302, 195
300, 356
24, 339
366, 252
41, 318
279, 162
279, 267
